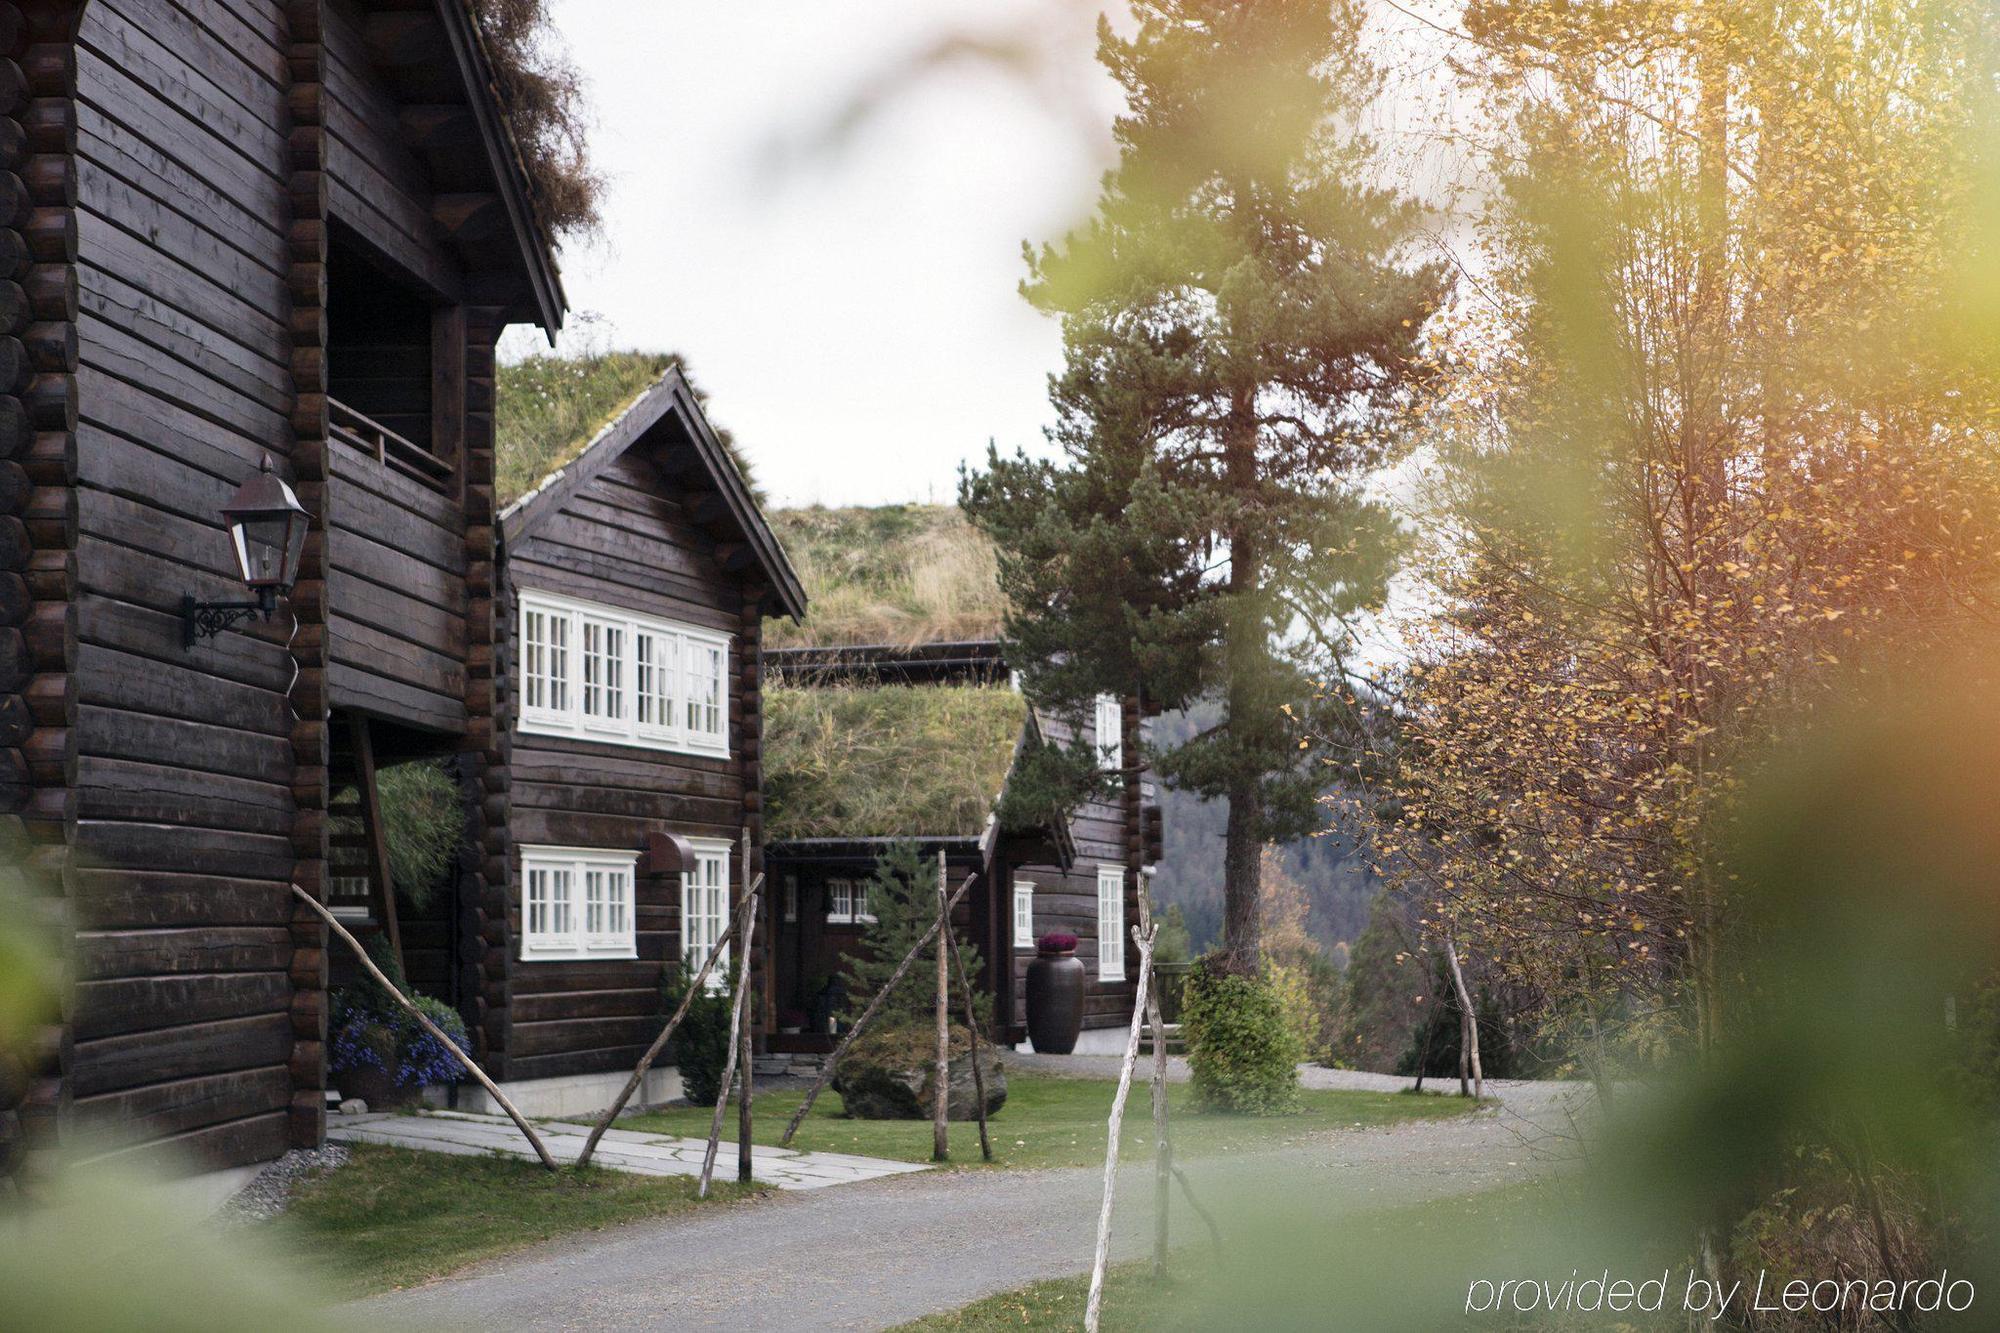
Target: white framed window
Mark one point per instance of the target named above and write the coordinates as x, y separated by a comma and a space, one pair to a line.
791, 897
1110, 923
598, 671
705, 908
1110, 728
847, 902
577, 902
1024, 914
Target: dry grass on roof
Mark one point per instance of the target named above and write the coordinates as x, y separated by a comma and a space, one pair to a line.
894, 574
551, 407
886, 761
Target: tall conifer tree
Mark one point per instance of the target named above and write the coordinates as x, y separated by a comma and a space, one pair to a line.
1240, 324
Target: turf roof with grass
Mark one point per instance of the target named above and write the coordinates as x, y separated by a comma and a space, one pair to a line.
550, 409
885, 761
893, 574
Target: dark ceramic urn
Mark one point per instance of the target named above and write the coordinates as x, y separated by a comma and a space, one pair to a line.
1055, 1001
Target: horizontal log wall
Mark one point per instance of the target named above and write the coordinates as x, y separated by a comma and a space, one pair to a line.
183, 796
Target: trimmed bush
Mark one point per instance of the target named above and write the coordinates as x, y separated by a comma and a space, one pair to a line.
1243, 1053
701, 1043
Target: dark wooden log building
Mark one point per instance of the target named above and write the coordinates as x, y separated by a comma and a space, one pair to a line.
1080, 877
238, 229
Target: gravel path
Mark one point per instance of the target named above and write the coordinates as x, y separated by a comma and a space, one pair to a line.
877, 1254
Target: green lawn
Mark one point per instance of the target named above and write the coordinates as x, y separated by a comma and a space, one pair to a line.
393, 1217
1056, 1122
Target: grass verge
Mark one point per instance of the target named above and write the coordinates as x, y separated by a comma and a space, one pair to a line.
393, 1217
1049, 1122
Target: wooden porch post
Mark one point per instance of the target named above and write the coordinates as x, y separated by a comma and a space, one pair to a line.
375, 835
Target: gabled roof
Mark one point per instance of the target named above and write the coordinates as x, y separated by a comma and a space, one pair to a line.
666, 415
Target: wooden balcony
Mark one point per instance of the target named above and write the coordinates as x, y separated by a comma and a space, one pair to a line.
388, 448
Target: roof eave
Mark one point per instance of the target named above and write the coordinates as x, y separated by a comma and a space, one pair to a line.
538, 261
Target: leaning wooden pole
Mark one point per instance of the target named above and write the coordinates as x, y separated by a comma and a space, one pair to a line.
972, 1027
746, 931
1163, 1147
749, 1071
492, 1088
833, 1062
1095, 1306
941, 1076
694, 989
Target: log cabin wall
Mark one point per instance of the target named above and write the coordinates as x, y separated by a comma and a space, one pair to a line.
485, 934
38, 339
627, 540
185, 825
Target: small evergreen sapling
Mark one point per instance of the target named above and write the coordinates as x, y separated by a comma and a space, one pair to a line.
902, 896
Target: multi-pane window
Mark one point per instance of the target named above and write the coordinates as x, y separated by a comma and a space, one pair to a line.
577, 903
1024, 914
1110, 726
705, 909
603, 673
597, 670
1110, 923
847, 901
545, 668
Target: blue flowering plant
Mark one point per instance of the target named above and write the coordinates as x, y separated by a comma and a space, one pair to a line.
379, 1044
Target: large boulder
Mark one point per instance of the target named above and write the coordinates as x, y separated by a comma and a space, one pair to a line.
891, 1076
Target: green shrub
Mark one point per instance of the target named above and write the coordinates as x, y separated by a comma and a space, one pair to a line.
1243, 1053
701, 1043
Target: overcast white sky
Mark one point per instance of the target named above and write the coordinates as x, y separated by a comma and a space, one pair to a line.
852, 315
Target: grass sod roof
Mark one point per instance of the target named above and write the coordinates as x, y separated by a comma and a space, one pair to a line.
883, 761
893, 574
550, 408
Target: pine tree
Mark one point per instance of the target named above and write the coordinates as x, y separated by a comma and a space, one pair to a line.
902, 897
1239, 326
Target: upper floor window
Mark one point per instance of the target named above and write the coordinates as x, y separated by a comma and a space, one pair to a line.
577, 903
597, 671
1110, 727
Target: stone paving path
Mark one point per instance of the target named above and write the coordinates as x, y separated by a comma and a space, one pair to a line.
621, 1150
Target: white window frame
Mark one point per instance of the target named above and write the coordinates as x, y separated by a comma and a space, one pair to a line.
705, 908
1111, 922
1024, 914
847, 903
1110, 721
569, 928
577, 655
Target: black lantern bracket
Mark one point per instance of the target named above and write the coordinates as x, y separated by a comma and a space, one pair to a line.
205, 620
267, 532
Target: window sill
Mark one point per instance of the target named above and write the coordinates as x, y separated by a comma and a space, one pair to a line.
627, 955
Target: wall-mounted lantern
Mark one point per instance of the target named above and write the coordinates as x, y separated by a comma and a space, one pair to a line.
267, 528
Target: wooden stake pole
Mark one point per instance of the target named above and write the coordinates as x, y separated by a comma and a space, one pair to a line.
1096, 1303
972, 1026
492, 1088
941, 1083
1468, 1023
748, 1072
826, 1072
1163, 1148
660, 1042
746, 931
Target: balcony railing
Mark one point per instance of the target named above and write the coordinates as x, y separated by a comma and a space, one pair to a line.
373, 438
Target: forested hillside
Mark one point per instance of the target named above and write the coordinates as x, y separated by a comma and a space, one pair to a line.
1338, 885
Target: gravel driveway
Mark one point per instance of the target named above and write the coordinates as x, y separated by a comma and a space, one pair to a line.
872, 1255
